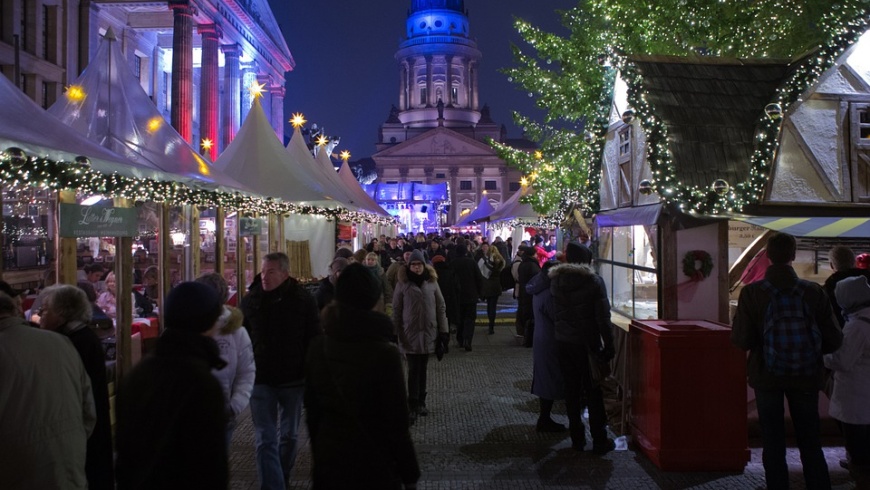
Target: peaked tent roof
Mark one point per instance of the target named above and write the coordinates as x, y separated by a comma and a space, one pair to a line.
41, 134
324, 163
480, 213
711, 107
301, 157
359, 194
258, 159
115, 112
514, 209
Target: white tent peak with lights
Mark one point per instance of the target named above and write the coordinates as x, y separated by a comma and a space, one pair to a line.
361, 197
107, 105
301, 156
480, 214
258, 159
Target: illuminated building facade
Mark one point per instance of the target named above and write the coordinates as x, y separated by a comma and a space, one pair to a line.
194, 58
438, 132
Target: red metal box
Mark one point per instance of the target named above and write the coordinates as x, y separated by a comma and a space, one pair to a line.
688, 395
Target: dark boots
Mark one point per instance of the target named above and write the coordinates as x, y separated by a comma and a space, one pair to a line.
421, 406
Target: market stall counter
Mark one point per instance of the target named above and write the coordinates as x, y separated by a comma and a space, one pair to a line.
688, 392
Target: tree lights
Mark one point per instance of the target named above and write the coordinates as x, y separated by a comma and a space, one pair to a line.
574, 79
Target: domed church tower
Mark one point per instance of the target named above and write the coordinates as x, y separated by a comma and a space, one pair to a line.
438, 132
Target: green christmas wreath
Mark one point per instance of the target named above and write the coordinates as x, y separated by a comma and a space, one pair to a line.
690, 262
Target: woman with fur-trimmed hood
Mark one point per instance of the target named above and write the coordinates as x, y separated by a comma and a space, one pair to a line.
419, 315
237, 378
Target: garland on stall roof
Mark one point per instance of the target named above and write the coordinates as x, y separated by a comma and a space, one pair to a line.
690, 268
706, 200
18, 170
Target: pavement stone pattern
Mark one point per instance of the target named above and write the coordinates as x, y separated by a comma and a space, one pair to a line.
480, 435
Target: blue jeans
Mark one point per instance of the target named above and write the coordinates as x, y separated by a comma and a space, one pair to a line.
804, 409
275, 458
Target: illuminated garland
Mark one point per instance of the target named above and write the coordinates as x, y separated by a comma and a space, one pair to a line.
705, 200
19, 170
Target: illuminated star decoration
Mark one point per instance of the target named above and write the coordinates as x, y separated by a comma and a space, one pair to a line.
75, 93
206, 144
345, 155
257, 89
298, 120
322, 140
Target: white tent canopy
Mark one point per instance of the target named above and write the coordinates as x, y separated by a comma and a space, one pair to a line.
480, 214
257, 159
514, 209
25, 125
301, 157
108, 106
360, 196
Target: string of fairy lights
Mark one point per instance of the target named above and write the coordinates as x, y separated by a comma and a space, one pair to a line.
573, 77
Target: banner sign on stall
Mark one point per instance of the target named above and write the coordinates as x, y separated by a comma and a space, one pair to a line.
97, 221
250, 226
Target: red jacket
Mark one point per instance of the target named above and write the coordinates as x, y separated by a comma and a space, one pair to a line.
543, 255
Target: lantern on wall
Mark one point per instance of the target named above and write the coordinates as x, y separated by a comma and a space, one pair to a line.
773, 110
720, 186
83, 161
645, 187
17, 157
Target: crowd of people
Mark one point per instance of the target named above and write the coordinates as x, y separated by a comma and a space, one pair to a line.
355, 356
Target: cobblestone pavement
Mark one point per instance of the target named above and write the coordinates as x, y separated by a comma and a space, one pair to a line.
480, 434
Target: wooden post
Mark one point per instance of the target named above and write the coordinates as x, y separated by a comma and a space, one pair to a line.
668, 265
274, 237
67, 266
193, 256
722, 276
241, 252
164, 249
220, 246
123, 297
258, 253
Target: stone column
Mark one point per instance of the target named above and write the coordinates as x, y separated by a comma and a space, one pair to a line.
454, 190
449, 69
430, 93
467, 87
208, 90
474, 101
266, 97
428, 170
182, 68
278, 92
403, 85
478, 183
249, 76
403, 174
232, 89
505, 185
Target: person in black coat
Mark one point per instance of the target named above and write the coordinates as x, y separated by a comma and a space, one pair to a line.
65, 309
171, 418
282, 319
470, 283
326, 288
449, 285
527, 269
355, 399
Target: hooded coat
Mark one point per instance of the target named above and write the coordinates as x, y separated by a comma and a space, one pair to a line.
237, 378
491, 286
547, 381
171, 428
419, 312
851, 362
356, 404
581, 308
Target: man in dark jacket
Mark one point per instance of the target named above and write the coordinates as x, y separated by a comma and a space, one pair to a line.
449, 285
355, 399
171, 419
581, 314
326, 289
470, 282
282, 318
801, 391
527, 269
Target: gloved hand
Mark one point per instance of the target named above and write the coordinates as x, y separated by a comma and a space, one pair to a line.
442, 345
606, 354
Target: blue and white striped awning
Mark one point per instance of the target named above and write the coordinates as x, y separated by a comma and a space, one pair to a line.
813, 227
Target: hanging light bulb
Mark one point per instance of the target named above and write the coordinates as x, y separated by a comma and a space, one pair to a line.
773, 110
720, 186
628, 116
645, 187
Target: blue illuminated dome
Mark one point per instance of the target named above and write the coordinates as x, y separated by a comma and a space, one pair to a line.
417, 5
437, 18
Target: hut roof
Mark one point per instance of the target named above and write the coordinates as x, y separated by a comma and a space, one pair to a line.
711, 108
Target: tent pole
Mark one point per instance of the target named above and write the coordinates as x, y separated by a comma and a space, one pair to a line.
123, 297
219, 242
67, 266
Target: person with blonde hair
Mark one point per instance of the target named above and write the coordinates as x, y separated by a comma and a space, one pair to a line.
491, 264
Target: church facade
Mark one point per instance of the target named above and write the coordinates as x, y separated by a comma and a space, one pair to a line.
438, 133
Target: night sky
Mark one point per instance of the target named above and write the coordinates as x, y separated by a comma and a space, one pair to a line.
346, 78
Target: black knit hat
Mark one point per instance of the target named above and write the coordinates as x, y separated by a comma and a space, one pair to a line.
192, 306
357, 287
417, 256
576, 253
